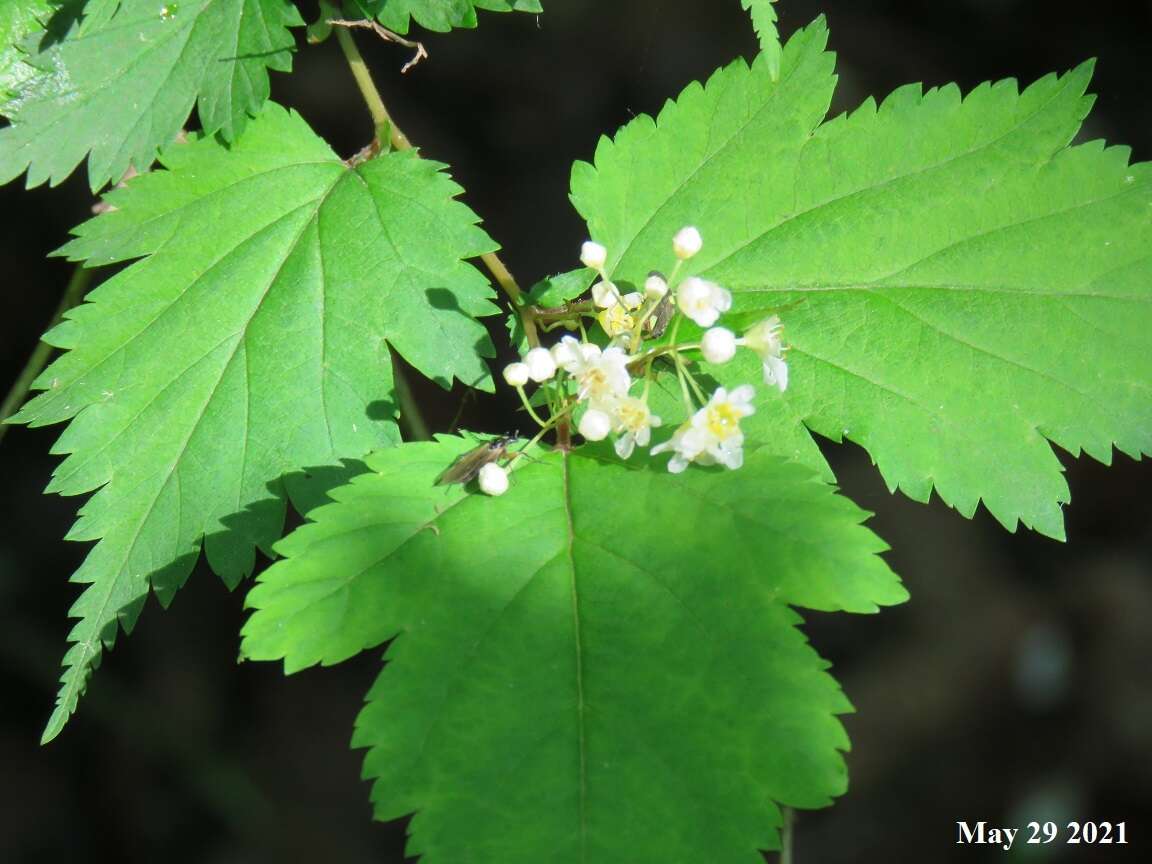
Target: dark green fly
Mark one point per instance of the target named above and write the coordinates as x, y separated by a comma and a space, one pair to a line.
657, 322
468, 465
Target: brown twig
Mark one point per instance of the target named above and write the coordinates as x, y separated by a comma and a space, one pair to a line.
388, 36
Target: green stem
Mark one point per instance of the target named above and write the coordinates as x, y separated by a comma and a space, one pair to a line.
786, 835
695, 386
383, 120
73, 294
410, 414
380, 116
558, 422
675, 332
679, 363
520, 453
528, 407
508, 285
691, 409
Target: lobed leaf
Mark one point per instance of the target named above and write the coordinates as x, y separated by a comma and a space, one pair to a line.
597, 666
959, 286
438, 15
122, 82
252, 340
763, 14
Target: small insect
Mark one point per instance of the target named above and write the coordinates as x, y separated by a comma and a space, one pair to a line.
468, 465
657, 322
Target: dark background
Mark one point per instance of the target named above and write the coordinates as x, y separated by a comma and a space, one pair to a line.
1014, 686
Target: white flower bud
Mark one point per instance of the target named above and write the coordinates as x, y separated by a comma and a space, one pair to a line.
655, 287
702, 301
595, 425
589, 351
517, 374
718, 345
493, 479
541, 365
593, 255
687, 243
566, 353
605, 295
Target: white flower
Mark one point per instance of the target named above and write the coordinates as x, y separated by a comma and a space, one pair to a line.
571, 354
593, 255
566, 353
540, 364
684, 445
516, 374
605, 295
718, 345
764, 339
602, 377
713, 433
702, 301
687, 243
632, 301
595, 425
633, 422
776, 373
655, 287
493, 479
589, 351
616, 321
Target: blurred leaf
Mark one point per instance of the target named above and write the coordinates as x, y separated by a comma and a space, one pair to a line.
764, 21
439, 15
119, 86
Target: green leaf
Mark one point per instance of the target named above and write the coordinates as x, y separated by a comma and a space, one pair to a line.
438, 15
117, 88
601, 655
517, 338
958, 285
557, 290
19, 19
764, 21
251, 341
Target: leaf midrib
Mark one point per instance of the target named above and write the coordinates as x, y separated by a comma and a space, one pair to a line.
88, 653
579, 659
1017, 125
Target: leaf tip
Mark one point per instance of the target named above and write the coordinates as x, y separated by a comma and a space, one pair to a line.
55, 725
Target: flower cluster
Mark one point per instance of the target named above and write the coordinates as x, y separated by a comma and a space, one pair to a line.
600, 384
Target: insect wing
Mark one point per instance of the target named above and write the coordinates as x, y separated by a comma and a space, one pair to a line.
468, 465
658, 322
